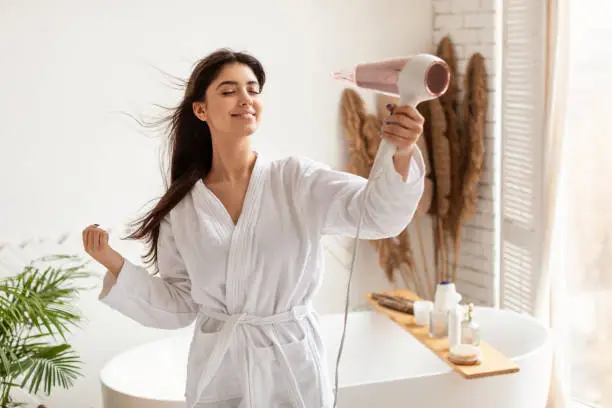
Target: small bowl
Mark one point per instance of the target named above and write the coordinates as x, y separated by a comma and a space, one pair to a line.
464, 354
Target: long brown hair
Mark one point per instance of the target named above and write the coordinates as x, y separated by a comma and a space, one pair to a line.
189, 143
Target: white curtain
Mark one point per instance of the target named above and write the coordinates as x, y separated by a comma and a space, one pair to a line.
587, 195
576, 289
551, 299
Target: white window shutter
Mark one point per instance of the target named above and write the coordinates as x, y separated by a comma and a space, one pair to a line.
522, 133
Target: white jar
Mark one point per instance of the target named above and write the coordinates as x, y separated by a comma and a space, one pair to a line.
455, 318
446, 296
422, 310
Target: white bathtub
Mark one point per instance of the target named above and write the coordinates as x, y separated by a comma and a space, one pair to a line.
382, 366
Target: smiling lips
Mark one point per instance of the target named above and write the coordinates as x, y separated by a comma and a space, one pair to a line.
245, 115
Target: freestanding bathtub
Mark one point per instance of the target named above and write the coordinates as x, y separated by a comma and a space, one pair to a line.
382, 366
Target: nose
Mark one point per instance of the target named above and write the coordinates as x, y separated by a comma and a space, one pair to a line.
246, 99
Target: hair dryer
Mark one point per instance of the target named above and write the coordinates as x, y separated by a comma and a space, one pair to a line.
413, 79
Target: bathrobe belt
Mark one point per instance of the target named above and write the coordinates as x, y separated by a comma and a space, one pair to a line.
226, 336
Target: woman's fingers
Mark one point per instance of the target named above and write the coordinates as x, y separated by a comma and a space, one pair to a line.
404, 121
402, 131
94, 238
409, 112
91, 236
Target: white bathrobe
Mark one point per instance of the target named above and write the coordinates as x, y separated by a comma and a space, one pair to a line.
249, 285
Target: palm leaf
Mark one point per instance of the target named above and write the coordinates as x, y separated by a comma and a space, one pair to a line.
36, 309
51, 366
42, 299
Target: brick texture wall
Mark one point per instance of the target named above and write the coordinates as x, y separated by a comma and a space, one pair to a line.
472, 26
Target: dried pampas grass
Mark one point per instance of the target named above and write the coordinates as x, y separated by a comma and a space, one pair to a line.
362, 134
473, 117
449, 102
446, 51
441, 163
465, 127
353, 114
440, 157
370, 129
452, 145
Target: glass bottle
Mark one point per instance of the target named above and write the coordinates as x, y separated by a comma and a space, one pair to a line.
470, 330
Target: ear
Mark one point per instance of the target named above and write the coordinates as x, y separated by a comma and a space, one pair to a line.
199, 110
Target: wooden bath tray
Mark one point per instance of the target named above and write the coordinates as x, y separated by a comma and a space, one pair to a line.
493, 362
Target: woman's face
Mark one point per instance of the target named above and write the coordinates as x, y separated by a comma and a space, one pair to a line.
232, 104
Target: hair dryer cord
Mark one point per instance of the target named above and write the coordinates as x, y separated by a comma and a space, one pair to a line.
348, 286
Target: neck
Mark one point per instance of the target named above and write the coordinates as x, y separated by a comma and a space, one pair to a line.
232, 161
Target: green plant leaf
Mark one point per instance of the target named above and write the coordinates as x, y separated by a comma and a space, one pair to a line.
36, 309
50, 367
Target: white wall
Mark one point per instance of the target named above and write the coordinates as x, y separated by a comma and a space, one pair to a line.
67, 159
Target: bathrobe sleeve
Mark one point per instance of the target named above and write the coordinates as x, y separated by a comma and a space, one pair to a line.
161, 301
334, 198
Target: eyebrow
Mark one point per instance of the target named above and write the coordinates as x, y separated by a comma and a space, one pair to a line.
235, 83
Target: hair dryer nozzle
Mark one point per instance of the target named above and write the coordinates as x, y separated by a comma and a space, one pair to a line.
344, 75
437, 78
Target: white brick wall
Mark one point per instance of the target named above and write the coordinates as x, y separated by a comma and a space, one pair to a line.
471, 25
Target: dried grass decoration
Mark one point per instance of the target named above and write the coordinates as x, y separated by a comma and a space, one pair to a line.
353, 116
453, 149
441, 160
361, 133
465, 130
447, 210
473, 117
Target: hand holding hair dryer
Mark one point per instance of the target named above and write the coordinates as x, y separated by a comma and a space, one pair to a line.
413, 79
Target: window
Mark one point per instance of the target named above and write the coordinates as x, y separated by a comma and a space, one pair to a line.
523, 90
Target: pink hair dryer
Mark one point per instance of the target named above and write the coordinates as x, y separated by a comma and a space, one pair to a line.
413, 79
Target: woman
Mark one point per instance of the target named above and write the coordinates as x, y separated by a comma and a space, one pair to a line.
236, 242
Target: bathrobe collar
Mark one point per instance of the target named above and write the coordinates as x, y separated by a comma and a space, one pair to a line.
239, 234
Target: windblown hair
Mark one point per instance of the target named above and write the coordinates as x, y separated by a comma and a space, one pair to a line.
190, 147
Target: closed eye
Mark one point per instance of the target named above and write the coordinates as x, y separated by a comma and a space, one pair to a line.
232, 92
